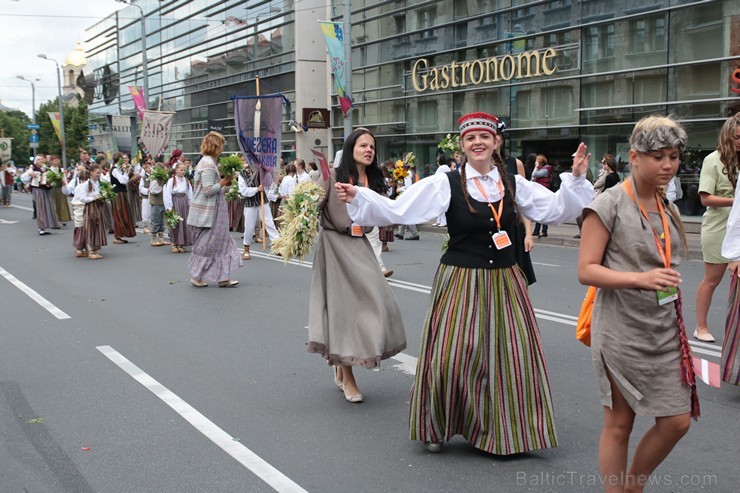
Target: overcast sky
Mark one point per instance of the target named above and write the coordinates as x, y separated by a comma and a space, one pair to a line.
50, 27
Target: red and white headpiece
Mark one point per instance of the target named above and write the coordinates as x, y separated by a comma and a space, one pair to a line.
481, 122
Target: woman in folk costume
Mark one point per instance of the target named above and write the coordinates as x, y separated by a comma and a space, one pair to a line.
123, 224
481, 373
94, 222
236, 207
61, 206
178, 192
46, 214
105, 177
132, 188
256, 203
353, 316
731, 251
156, 212
79, 237
214, 253
144, 181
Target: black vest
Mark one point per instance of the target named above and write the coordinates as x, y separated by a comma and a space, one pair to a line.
117, 186
252, 178
471, 244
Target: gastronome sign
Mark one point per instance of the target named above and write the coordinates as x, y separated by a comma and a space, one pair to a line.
534, 63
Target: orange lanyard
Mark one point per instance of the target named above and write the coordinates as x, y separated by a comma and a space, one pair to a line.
496, 214
664, 251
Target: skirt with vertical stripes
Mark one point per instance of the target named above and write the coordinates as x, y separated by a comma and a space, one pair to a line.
95, 227
123, 225
182, 235
46, 214
236, 215
481, 372
134, 199
61, 205
731, 345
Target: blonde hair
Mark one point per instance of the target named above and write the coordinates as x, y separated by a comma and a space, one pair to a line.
212, 144
541, 159
655, 132
726, 148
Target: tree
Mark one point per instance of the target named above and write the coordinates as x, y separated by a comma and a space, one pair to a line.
14, 124
75, 129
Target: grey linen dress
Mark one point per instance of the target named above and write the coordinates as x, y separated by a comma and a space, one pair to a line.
633, 338
353, 316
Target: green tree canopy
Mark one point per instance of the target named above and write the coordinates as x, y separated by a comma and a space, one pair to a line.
75, 129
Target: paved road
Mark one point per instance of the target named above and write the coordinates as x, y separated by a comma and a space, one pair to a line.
128, 379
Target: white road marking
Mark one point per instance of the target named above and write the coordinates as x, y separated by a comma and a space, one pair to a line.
277, 480
3, 221
546, 265
407, 364
704, 351
45, 304
30, 209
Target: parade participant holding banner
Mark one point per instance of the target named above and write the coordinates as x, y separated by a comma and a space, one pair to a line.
354, 318
256, 206
633, 241
214, 253
481, 372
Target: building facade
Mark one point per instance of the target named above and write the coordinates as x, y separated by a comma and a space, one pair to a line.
558, 72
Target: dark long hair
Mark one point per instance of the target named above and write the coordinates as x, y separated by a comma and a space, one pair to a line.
347, 170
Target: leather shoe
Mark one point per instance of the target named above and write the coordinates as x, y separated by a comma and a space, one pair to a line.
198, 284
228, 284
387, 273
355, 398
704, 338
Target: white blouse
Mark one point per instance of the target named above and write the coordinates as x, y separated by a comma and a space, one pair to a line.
120, 175
731, 244
430, 198
181, 186
83, 195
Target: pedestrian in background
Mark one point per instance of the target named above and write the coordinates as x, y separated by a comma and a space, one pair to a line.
7, 180
633, 241
717, 182
542, 174
214, 253
481, 372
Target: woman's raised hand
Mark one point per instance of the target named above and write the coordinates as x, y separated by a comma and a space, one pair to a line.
580, 160
346, 192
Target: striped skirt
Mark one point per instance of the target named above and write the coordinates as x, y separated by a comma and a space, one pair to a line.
123, 225
95, 227
385, 233
134, 199
481, 373
61, 205
236, 215
46, 213
182, 235
731, 345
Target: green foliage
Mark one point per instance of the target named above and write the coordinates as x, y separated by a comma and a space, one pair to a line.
75, 129
160, 174
230, 165
13, 123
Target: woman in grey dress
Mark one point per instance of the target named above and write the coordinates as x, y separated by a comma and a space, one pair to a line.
214, 253
632, 244
354, 318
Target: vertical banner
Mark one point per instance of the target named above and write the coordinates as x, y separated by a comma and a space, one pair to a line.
54, 117
335, 44
155, 131
263, 150
139, 101
122, 129
6, 148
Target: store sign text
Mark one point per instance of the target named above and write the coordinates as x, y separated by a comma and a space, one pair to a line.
535, 63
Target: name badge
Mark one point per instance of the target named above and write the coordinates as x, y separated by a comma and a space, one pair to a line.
670, 294
501, 240
356, 230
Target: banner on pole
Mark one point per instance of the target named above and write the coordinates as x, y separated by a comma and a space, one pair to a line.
122, 130
262, 148
156, 127
54, 117
139, 101
6, 147
335, 44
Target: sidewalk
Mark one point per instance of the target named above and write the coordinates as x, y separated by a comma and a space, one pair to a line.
563, 235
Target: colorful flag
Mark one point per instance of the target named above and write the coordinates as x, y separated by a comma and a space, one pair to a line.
706, 371
6, 147
335, 44
54, 117
156, 127
260, 146
137, 94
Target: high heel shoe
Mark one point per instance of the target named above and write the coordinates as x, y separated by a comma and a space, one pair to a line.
354, 398
338, 381
704, 338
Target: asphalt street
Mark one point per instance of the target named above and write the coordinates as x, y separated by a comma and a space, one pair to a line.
117, 375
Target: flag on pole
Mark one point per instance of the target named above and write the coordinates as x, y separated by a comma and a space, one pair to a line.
706, 371
156, 127
138, 96
335, 44
260, 145
54, 117
323, 164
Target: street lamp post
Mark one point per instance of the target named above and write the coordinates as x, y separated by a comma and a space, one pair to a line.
143, 49
33, 101
61, 109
